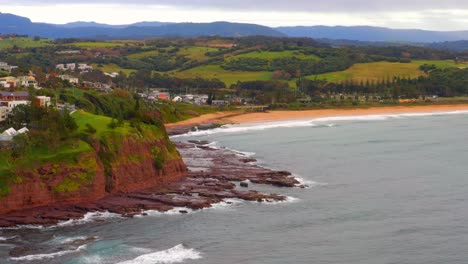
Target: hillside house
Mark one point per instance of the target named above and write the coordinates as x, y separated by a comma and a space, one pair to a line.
201, 99
14, 96
3, 113
8, 134
69, 78
27, 81
84, 67
5, 67
66, 67
43, 101
8, 82
219, 103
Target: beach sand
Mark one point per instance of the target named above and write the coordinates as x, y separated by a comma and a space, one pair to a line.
270, 116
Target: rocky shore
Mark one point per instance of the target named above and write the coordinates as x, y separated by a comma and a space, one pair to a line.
214, 175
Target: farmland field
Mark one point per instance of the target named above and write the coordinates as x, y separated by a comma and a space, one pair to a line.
229, 77
112, 68
196, 53
374, 71
271, 55
23, 43
105, 44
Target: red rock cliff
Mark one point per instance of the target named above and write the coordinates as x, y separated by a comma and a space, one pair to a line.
123, 164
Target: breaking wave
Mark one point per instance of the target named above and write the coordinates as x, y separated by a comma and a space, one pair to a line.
49, 255
177, 254
88, 218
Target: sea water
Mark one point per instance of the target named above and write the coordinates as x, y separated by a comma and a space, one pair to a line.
383, 189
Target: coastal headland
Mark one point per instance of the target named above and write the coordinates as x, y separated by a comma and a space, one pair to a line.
141, 184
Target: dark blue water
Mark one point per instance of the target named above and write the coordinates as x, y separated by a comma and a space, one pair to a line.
384, 190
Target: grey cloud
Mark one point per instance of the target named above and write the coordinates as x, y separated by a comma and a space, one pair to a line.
331, 6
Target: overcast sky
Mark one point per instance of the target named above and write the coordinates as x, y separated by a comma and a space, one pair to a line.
423, 14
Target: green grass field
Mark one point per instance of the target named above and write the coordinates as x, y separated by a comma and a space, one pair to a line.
373, 72
229, 77
23, 43
103, 44
144, 54
441, 64
113, 68
100, 123
196, 53
270, 55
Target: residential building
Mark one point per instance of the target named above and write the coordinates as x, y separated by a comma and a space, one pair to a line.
66, 67
13, 104
85, 67
27, 81
200, 99
69, 78
3, 113
71, 66
43, 101
5, 67
8, 82
66, 106
164, 96
8, 134
219, 103
14, 96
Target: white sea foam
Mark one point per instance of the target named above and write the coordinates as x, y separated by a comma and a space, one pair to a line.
242, 153
316, 122
173, 211
177, 254
7, 238
68, 240
88, 218
289, 199
48, 256
309, 183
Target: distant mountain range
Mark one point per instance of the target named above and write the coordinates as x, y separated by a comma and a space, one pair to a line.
367, 33
12, 24
362, 35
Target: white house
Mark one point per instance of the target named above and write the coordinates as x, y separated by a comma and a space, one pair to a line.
5, 67
8, 134
27, 81
69, 78
43, 101
71, 66
200, 99
84, 67
3, 113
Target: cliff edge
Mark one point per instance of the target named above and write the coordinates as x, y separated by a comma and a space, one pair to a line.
102, 162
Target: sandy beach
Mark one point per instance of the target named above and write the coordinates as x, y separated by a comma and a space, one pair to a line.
270, 116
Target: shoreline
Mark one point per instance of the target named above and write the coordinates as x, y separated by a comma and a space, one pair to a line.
284, 115
200, 188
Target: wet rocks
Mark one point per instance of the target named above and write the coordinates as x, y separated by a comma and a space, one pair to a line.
195, 190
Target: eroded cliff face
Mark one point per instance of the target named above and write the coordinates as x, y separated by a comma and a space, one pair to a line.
117, 164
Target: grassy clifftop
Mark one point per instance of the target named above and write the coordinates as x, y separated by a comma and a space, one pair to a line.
98, 144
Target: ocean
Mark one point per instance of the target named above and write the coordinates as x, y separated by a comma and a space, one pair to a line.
382, 189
